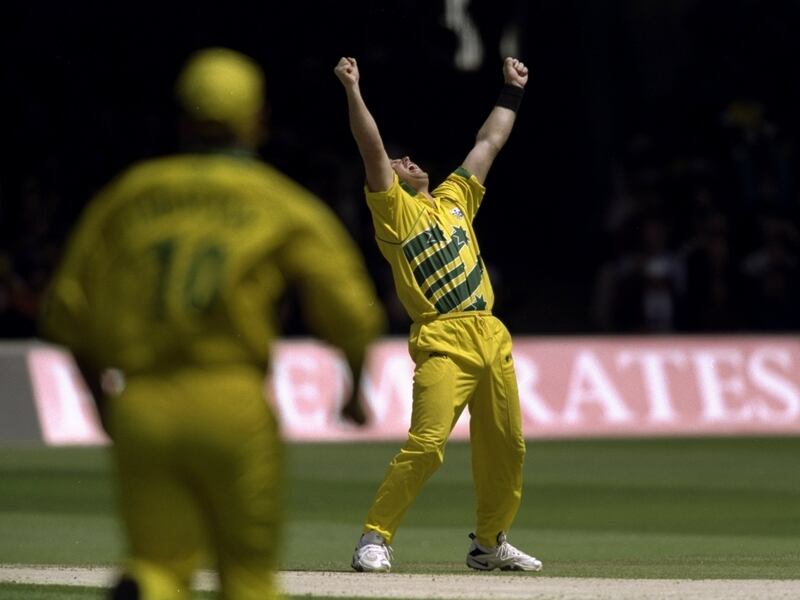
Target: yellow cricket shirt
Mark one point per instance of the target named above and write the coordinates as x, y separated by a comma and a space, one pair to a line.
183, 259
431, 246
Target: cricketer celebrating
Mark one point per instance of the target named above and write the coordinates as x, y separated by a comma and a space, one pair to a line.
173, 276
462, 353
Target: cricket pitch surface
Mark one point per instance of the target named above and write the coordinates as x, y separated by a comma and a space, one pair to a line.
499, 586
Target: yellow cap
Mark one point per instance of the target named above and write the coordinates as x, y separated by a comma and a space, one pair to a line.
224, 86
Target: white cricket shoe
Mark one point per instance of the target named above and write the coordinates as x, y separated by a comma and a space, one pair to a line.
372, 554
504, 556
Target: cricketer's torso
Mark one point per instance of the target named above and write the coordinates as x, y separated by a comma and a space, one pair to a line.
432, 248
182, 260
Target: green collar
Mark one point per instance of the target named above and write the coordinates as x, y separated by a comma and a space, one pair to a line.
410, 190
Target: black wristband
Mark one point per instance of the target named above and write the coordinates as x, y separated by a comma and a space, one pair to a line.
510, 97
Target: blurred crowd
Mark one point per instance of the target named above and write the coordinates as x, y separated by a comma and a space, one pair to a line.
699, 230
28, 254
703, 238
700, 239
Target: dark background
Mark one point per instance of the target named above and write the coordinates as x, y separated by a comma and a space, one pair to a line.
649, 185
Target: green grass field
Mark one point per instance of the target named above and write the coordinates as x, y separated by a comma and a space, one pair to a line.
664, 508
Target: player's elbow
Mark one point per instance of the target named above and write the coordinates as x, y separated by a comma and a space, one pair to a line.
368, 324
489, 145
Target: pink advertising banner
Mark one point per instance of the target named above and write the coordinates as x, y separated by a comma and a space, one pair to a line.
569, 387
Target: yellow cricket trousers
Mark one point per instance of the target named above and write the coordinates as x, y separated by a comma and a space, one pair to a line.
461, 360
197, 459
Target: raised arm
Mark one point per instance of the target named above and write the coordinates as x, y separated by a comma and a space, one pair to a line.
494, 133
364, 129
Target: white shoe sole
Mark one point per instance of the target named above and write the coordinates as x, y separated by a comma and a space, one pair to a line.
362, 569
478, 565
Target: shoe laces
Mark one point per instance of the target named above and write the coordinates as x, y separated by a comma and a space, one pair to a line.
386, 548
506, 551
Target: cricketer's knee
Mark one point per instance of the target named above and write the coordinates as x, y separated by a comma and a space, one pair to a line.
425, 451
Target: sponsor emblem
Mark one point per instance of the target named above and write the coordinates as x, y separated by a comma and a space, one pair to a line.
457, 212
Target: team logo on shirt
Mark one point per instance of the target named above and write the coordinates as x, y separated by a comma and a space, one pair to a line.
440, 271
457, 212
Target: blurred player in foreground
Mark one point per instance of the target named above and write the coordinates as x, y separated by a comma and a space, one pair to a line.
172, 277
462, 353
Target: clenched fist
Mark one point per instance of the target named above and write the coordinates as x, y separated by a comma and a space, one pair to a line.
347, 71
515, 72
